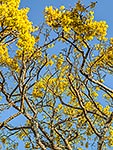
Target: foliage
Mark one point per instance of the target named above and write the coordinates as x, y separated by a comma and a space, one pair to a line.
60, 97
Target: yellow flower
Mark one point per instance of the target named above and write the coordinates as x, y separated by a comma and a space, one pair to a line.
51, 62
27, 145
60, 106
54, 56
79, 149
97, 88
111, 41
62, 7
94, 94
106, 110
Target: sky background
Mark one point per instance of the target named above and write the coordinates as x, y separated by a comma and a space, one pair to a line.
103, 11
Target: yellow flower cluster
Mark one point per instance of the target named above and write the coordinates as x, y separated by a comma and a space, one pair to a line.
105, 57
69, 111
3, 53
89, 106
60, 61
110, 143
50, 84
80, 7
111, 41
79, 148
27, 145
110, 137
16, 23
106, 110
52, 16
37, 91
5, 59
22, 134
70, 20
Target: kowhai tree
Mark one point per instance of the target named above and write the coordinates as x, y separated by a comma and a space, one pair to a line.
54, 98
